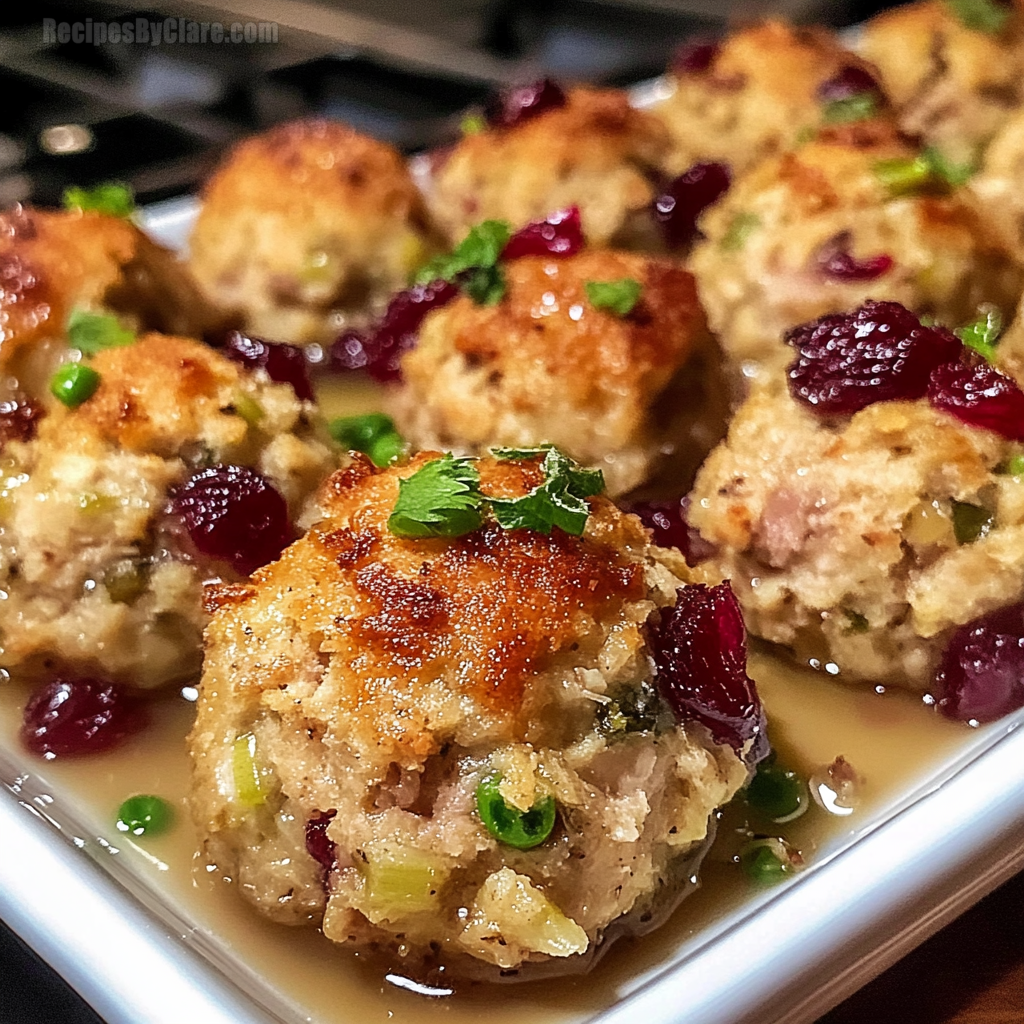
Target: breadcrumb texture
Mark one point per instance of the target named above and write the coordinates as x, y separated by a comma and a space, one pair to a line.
759, 269
545, 364
307, 226
382, 679
98, 576
998, 187
755, 100
839, 537
953, 86
597, 152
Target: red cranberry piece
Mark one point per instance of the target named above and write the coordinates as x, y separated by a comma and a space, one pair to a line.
321, 848
18, 419
981, 676
233, 513
835, 260
380, 350
700, 652
560, 234
850, 80
284, 364
980, 396
686, 198
523, 102
695, 56
72, 717
878, 353
667, 522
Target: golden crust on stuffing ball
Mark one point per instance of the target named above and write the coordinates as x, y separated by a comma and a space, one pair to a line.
596, 152
52, 262
758, 96
372, 682
306, 224
761, 267
952, 85
545, 364
998, 187
839, 538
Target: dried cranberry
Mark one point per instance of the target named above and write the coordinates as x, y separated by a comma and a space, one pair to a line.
285, 364
523, 102
320, 847
835, 260
980, 396
981, 677
233, 513
700, 652
380, 350
18, 418
71, 717
880, 352
560, 234
849, 81
667, 521
695, 56
686, 198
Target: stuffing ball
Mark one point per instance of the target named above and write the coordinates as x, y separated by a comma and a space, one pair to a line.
847, 217
55, 262
452, 748
595, 152
953, 77
180, 467
998, 187
862, 542
306, 226
625, 393
757, 92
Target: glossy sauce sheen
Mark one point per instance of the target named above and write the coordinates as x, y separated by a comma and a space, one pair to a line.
892, 739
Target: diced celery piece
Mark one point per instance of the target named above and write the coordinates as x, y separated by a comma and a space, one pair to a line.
399, 881
249, 788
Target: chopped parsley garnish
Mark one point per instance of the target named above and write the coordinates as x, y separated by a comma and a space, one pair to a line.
474, 263
485, 285
618, 297
981, 15
983, 333
93, 332
742, 227
112, 197
373, 434
441, 499
861, 107
945, 170
970, 522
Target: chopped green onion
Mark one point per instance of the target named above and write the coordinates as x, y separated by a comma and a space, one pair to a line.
441, 499
618, 297
374, 433
904, 176
742, 227
953, 174
248, 778
473, 124
520, 829
766, 861
853, 108
112, 197
74, 383
93, 332
970, 522
144, 815
248, 408
981, 15
777, 793
983, 333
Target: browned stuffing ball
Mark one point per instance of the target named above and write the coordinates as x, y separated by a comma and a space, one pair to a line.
953, 85
595, 152
998, 187
621, 392
357, 693
307, 226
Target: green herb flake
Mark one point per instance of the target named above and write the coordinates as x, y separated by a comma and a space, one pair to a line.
860, 107
983, 333
112, 197
905, 176
970, 522
480, 249
248, 408
93, 332
981, 15
618, 297
948, 171
558, 501
74, 384
742, 227
374, 433
858, 623
441, 499
485, 285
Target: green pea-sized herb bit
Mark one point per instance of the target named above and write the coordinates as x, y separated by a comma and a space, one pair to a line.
777, 793
373, 433
509, 825
558, 501
739, 231
860, 107
767, 861
441, 499
618, 297
112, 197
983, 333
144, 815
970, 522
93, 332
74, 384
981, 15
